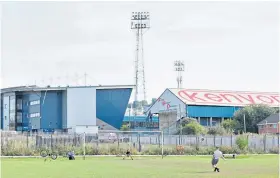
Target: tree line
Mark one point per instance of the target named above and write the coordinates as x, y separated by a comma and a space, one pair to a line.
253, 115
140, 104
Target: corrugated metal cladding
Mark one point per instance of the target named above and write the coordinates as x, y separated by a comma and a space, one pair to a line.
111, 105
51, 110
211, 111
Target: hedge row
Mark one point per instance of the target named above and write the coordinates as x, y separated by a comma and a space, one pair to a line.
19, 149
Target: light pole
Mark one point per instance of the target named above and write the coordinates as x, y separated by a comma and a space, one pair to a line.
244, 123
140, 22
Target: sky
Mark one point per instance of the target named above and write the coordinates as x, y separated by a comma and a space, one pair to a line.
224, 45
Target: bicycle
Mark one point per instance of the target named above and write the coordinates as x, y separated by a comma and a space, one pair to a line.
47, 154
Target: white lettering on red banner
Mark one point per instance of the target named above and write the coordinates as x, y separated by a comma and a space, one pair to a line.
227, 98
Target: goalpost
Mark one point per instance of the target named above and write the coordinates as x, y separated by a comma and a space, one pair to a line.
147, 137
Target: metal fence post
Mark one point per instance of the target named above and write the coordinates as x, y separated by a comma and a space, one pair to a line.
97, 142
118, 140
51, 142
278, 143
264, 143
231, 140
214, 141
159, 140
139, 143
27, 140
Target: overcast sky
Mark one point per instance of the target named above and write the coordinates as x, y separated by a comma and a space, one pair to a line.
225, 45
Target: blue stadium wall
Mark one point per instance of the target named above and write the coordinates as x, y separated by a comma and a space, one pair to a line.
216, 112
111, 105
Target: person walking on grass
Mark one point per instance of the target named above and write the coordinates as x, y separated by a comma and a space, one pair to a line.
128, 154
215, 160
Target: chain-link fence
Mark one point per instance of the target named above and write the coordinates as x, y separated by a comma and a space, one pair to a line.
13, 143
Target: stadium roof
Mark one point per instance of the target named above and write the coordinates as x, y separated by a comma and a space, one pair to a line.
225, 98
37, 88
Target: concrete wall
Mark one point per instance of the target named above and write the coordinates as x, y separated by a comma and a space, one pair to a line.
167, 122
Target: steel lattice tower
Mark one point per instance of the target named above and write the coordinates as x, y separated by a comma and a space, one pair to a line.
140, 23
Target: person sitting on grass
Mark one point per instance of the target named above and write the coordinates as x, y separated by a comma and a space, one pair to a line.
128, 154
71, 155
217, 154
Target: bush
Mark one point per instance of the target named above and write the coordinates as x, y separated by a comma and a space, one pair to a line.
125, 128
274, 150
229, 125
193, 128
229, 150
16, 148
216, 131
242, 142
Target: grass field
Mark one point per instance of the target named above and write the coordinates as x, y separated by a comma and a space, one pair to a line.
140, 167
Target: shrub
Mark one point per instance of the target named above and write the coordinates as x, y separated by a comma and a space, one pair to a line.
229, 125
125, 128
216, 131
193, 128
274, 150
15, 148
242, 142
230, 150
205, 150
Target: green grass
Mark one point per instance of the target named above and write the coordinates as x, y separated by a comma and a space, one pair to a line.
141, 167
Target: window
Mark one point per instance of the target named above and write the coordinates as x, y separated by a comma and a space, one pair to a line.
19, 128
6, 106
32, 115
12, 104
35, 102
274, 126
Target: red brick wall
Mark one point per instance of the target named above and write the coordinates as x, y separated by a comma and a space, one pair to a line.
268, 129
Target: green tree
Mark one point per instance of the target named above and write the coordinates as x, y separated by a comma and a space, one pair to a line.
253, 115
229, 125
144, 103
136, 104
186, 121
129, 105
193, 128
124, 128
